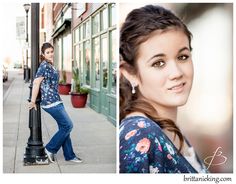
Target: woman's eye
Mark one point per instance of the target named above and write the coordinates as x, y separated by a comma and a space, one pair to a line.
183, 57
158, 64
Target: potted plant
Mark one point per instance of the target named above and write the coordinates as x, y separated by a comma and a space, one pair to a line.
64, 87
78, 94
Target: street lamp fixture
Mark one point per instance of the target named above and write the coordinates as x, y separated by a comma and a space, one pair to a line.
26, 69
27, 7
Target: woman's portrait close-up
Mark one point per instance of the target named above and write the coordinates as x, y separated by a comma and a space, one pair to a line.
176, 88
125, 91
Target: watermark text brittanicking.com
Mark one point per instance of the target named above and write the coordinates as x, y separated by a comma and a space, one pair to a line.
214, 160
207, 178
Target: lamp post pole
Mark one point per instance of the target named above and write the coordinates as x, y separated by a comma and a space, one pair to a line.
26, 68
34, 152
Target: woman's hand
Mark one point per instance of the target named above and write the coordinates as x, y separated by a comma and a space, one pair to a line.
32, 105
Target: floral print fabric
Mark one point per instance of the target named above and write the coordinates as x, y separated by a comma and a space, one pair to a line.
144, 148
49, 85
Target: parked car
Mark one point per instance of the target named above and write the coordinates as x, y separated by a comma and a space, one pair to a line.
4, 74
17, 65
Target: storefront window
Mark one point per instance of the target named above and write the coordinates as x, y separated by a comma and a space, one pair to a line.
81, 64
104, 62
96, 23
76, 62
105, 19
86, 29
76, 35
67, 64
113, 61
80, 33
96, 58
113, 14
92, 46
87, 62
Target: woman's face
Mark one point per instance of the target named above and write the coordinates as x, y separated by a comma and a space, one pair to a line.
48, 54
165, 68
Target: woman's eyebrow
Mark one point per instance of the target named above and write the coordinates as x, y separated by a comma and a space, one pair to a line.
156, 55
162, 54
184, 48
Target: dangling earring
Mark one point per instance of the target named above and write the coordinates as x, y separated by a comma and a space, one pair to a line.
133, 88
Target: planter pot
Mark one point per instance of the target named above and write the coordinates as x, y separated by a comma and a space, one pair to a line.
64, 89
78, 100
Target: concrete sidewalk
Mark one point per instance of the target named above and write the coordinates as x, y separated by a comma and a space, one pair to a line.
93, 136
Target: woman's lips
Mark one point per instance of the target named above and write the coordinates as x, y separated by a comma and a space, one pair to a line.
177, 88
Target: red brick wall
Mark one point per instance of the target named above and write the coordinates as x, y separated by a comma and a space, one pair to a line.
42, 18
57, 7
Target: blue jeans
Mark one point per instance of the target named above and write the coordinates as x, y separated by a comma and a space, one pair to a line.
62, 136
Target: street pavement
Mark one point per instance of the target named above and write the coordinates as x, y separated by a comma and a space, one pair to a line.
93, 136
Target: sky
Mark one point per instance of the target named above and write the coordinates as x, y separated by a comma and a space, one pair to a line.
10, 47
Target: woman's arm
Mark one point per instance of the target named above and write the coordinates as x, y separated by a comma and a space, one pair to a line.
35, 91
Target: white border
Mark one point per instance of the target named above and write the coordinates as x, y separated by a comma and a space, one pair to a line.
116, 178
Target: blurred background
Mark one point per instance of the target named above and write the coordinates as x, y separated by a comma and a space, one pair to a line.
207, 119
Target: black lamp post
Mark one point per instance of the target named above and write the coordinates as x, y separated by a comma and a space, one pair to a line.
26, 69
34, 152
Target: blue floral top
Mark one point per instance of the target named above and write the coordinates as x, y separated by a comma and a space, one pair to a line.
49, 85
145, 148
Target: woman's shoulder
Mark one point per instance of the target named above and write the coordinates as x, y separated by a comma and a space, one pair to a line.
140, 121
43, 64
141, 124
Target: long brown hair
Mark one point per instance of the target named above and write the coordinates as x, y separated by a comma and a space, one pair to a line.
135, 30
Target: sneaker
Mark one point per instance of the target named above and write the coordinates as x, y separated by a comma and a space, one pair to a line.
50, 156
76, 160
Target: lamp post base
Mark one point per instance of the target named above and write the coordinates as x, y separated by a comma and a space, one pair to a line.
35, 155
27, 75
35, 161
